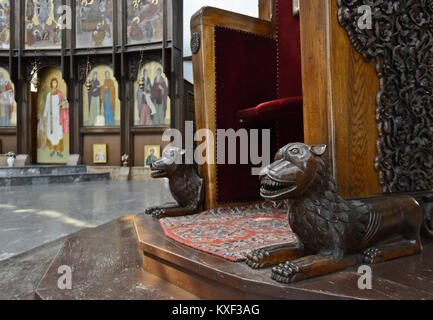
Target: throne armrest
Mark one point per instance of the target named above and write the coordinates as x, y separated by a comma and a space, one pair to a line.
271, 110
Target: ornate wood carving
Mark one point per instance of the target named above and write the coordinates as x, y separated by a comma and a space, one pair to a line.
30, 69
134, 66
82, 72
401, 40
186, 186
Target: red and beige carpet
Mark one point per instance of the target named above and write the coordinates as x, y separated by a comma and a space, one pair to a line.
231, 233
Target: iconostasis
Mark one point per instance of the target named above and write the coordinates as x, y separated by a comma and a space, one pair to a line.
105, 76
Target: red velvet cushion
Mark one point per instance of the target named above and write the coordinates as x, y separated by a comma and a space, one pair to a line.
273, 110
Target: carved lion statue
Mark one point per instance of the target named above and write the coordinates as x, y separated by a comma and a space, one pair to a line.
333, 233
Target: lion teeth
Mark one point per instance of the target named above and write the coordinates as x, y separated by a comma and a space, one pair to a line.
270, 185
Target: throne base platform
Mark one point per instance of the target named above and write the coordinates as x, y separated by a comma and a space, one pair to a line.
131, 258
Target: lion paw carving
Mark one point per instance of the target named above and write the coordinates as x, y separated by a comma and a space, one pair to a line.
258, 259
285, 272
155, 212
372, 255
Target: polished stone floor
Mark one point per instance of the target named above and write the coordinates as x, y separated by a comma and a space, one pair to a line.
31, 216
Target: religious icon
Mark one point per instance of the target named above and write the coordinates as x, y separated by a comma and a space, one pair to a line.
53, 119
152, 101
151, 154
43, 27
4, 24
144, 21
94, 98
101, 106
99, 153
56, 119
8, 112
94, 23
145, 107
108, 92
159, 97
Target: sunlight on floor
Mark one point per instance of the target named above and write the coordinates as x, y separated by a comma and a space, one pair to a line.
52, 214
65, 219
25, 211
7, 206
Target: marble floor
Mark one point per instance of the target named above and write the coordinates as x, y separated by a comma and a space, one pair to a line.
31, 216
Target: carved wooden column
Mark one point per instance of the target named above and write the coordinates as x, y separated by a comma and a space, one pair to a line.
339, 91
133, 68
78, 112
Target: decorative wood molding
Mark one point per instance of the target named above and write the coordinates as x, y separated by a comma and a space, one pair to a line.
134, 67
150, 129
100, 130
8, 131
401, 41
29, 72
195, 42
82, 72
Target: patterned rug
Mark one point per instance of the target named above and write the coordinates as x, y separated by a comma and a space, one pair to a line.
231, 233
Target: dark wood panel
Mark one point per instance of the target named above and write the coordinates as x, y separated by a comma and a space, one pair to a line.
8, 131
8, 143
113, 148
100, 130
148, 130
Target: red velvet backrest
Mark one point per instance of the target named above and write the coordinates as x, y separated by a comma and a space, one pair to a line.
250, 70
246, 73
289, 50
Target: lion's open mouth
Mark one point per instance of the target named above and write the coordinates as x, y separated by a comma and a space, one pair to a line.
157, 173
271, 189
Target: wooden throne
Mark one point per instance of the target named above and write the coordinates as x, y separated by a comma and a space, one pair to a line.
247, 74
304, 78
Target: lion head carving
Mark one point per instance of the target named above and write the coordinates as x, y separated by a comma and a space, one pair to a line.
292, 172
324, 222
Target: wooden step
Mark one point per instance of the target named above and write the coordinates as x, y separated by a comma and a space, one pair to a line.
106, 263
211, 277
21, 274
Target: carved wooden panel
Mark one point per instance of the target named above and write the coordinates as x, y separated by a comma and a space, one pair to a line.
400, 39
